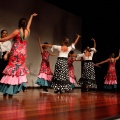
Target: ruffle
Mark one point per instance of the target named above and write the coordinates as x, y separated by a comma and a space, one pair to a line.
45, 76
12, 71
110, 82
61, 85
11, 89
72, 80
42, 82
13, 80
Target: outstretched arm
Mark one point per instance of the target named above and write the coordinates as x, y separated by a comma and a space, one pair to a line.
48, 45
94, 42
9, 37
30, 20
53, 54
118, 56
107, 60
76, 40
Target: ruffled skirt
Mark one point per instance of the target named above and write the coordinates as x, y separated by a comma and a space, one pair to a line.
12, 85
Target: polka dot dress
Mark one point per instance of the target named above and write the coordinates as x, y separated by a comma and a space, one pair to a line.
88, 74
60, 80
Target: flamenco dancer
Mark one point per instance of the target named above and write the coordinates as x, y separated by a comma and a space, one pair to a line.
14, 79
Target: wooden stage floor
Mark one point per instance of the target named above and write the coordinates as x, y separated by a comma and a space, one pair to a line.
38, 105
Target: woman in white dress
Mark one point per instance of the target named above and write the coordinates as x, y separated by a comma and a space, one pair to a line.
5, 48
60, 81
87, 79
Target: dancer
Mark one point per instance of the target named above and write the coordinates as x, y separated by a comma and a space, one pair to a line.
71, 59
5, 48
87, 79
14, 79
60, 80
110, 77
45, 73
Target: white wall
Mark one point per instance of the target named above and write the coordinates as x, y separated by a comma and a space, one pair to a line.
52, 24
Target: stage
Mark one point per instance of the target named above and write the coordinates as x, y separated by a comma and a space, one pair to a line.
34, 104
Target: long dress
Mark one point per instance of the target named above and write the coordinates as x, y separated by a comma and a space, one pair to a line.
45, 73
111, 77
61, 80
71, 71
88, 71
14, 79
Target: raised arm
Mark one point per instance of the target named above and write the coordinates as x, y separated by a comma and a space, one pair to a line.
30, 20
9, 37
94, 42
76, 40
40, 45
118, 56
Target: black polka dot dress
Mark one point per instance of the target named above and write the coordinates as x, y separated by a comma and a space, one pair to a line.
88, 71
88, 74
60, 80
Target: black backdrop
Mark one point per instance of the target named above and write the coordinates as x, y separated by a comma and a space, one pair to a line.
101, 20
106, 32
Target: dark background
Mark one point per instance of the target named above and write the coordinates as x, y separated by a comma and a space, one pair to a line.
100, 20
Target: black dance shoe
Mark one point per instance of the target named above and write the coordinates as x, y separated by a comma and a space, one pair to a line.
58, 91
24, 89
45, 90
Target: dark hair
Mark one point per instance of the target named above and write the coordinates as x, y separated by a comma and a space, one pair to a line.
22, 23
71, 52
3, 31
112, 55
43, 47
45, 43
66, 41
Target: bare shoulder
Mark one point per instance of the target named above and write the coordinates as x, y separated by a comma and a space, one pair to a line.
16, 31
28, 30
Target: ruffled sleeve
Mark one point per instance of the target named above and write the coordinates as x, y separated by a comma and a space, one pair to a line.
93, 49
79, 56
72, 47
55, 47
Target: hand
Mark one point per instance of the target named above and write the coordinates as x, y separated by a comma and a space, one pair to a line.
78, 35
34, 14
96, 64
5, 56
92, 39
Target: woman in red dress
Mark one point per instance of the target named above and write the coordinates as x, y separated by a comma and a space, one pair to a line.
45, 73
14, 79
71, 59
110, 77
